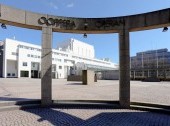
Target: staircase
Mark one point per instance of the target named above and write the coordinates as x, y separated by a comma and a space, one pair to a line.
165, 109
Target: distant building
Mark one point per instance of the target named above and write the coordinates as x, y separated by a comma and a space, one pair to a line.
77, 47
21, 59
153, 63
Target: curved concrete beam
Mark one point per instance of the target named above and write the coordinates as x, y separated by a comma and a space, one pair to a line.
26, 19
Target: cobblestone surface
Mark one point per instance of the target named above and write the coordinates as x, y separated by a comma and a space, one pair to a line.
82, 117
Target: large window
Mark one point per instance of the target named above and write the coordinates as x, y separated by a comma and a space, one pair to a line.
24, 73
14, 53
53, 67
60, 67
33, 64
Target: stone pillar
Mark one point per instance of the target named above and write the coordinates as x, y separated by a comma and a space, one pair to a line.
46, 67
124, 62
88, 77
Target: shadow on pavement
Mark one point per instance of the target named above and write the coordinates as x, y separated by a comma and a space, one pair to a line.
74, 84
2, 99
58, 117
55, 117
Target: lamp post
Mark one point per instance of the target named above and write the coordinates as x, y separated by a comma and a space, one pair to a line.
85, 28
165, 29
3, 26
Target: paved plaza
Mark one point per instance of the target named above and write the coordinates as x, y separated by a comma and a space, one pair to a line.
12, 89
24, 89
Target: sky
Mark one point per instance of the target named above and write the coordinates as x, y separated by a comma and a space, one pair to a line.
106, 45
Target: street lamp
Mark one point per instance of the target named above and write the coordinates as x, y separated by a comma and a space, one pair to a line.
165, 29
85, 28
3, 26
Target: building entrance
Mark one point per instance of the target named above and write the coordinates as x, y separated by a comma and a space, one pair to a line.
34, 74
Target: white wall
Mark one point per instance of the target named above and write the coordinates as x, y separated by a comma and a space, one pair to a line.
83, 49
12, 68
65, 45
77, 48
23, 58
24, 52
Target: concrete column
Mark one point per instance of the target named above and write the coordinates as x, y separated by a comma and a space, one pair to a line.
124, 62
46, 67
29, 70
18, 71
164, 74
4, 61
5, 68
157, 73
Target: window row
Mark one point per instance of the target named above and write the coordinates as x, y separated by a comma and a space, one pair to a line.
53, 66
60, 54
30, 48
55, 59
14, 53
33, 56
11, 74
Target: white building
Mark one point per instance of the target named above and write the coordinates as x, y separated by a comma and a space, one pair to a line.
21, 59
77, 47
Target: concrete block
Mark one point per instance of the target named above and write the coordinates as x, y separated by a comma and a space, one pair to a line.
88, 77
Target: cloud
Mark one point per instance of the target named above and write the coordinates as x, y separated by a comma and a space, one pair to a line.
53, 5
57, 4
70, 5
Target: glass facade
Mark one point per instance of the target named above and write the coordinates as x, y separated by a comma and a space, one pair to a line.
152, 63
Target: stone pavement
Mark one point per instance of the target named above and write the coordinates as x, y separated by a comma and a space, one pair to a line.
25, 88
13, 89
82, 117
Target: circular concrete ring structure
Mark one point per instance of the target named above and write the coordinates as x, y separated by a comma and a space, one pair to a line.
49, 23
21, 18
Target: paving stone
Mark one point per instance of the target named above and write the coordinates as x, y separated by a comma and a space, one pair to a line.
24, 89
82, 117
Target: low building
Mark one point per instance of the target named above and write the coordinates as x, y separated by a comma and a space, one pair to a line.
151, 64
22, 59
